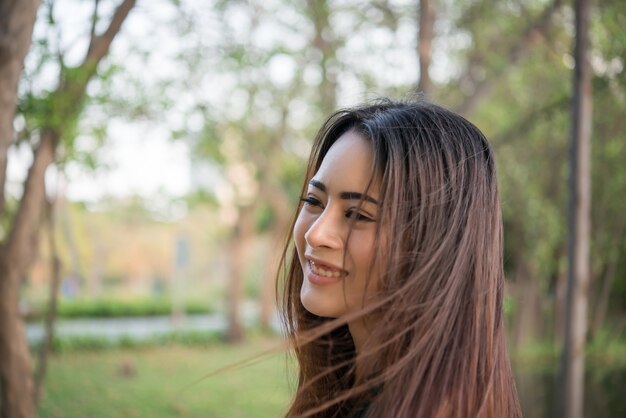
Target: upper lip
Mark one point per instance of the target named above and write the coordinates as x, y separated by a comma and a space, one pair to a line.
324, 264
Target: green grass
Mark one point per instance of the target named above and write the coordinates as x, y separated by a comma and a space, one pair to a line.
163, 382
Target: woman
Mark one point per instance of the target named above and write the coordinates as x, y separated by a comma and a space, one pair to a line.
392, 294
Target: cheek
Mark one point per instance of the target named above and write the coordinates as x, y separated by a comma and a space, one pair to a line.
299, 229
361, 246
363, 252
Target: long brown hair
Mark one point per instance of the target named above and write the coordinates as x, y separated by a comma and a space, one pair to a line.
439, 346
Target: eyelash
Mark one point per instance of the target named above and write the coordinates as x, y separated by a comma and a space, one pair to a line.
350, 213
309, 200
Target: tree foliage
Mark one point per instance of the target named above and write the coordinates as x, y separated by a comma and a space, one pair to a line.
246, 84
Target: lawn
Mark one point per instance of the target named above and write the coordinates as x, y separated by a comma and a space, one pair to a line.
163, 382
166, 381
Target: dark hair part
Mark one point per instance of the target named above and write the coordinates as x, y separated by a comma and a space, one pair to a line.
439, 338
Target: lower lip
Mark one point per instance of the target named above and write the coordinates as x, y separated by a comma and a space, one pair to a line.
320, 280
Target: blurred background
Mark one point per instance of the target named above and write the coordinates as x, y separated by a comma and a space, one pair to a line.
177, 134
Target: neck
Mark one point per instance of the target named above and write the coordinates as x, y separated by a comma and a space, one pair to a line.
361, 338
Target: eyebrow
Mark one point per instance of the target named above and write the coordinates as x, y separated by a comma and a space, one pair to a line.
344, 195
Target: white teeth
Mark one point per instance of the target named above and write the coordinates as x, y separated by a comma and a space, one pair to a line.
323, 272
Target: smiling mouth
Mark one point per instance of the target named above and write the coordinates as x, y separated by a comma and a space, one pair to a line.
325, 272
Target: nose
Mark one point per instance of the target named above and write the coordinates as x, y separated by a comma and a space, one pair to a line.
325, 232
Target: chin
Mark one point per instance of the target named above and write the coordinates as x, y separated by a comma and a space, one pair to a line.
319, 304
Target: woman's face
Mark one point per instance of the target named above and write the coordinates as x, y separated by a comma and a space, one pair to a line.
334, 235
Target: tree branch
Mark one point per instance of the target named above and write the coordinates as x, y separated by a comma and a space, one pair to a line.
69, 93
94, 21
57, 30
99, 44
73, 84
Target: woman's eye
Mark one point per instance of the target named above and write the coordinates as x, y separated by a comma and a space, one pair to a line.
357, 216
310, 200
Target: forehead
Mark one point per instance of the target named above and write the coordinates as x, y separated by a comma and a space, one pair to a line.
348, 164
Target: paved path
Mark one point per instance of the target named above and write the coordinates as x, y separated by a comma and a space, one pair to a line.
139, 328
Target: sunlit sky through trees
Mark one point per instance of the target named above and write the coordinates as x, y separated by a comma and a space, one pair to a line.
139, 156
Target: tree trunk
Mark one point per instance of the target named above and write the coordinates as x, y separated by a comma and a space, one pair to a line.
608, 278
55, 273
280, 207
560, 296
427, 16
15, 372
528, 312
325, 42
70, 239
571, 388
94, 272
237, 261
15, 257
268, 281
16, 253
17, 18
603, 298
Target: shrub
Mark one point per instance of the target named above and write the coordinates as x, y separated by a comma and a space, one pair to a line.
115, 308
96, 343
